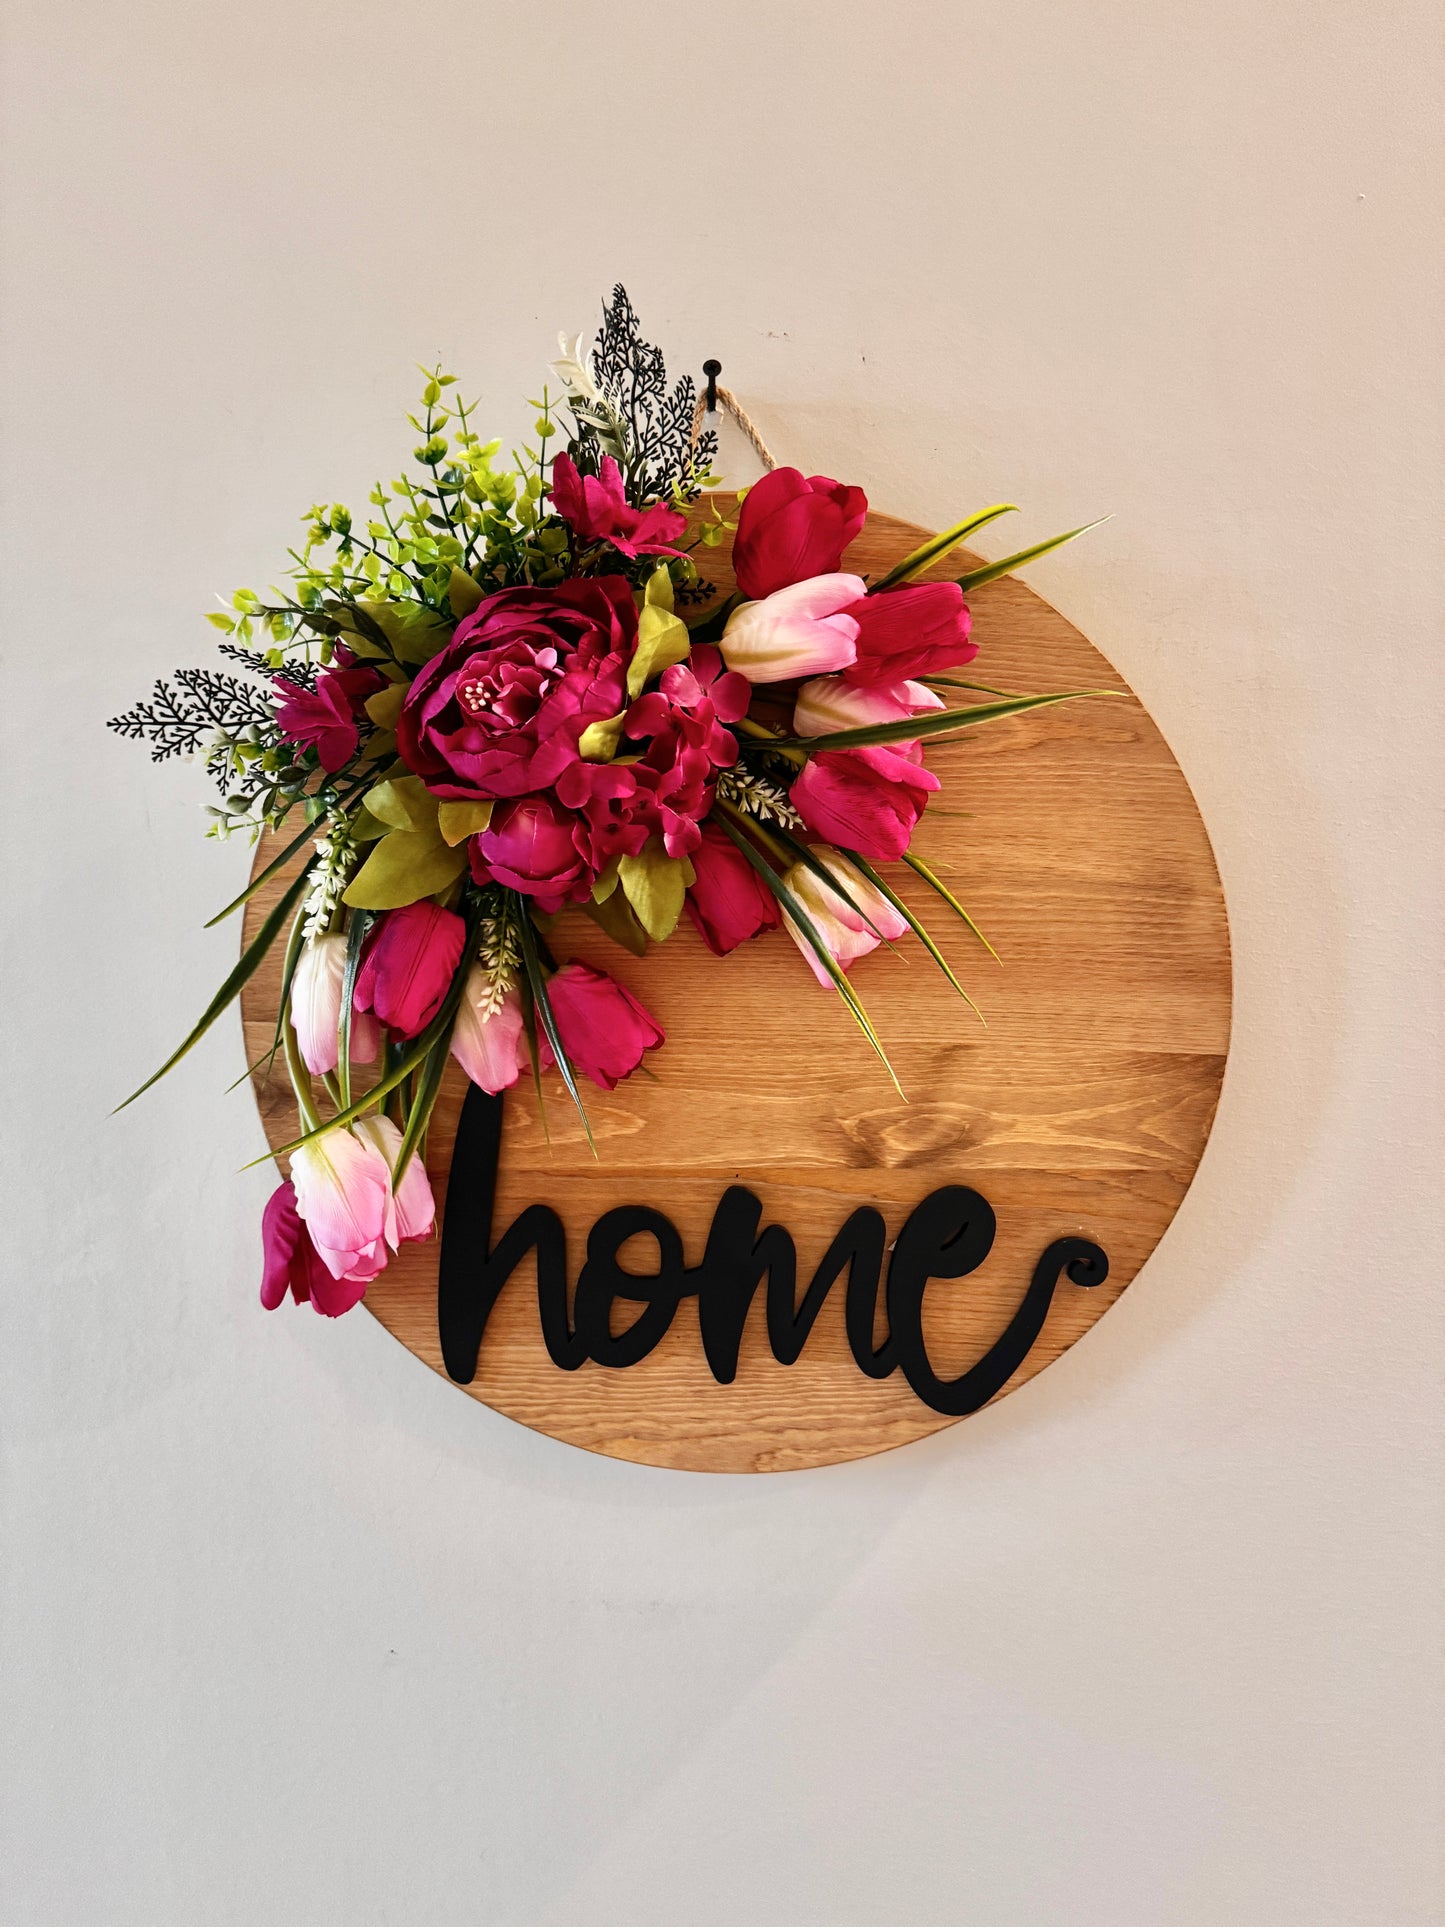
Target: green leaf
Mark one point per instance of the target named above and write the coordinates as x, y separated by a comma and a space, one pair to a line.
405, 866
939, 722
414, 632
920, 868
464, 593
403, 803
614, 914
458, 821
598, 742
264, 876
938, 546
916, 927
825, 956
952, 682
655, 885
386, 705
405, 1064
543, 1005
365, 828
357, 932
422, 1104
245, 968
993, 570
662, 637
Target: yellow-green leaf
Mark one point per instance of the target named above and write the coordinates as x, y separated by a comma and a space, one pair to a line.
404, 867
654, 884
616, 916
606, 882
415, 633
458, 821
598, 742
403, 803
658, 594
662, 639
464, 593
365, 828
385, 706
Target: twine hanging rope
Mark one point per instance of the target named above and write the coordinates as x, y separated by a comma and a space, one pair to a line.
715, 396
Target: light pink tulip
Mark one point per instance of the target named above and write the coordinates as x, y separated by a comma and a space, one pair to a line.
803, 630
845, 933
316, 1008
491, 1050
343, 1192
411, 1209
827, 704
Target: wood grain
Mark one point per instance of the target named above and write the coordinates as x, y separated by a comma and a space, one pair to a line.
1082, 1107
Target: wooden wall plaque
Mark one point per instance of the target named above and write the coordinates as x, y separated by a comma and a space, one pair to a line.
1081, 1109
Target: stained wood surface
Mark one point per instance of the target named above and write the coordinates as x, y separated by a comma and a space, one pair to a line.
1083, 1106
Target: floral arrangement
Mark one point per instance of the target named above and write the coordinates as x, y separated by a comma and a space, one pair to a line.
507, 694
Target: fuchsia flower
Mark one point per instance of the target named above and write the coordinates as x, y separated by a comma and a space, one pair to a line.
851, 921
604, 1030
728, 901
328, 717
684, 718
805, 630
791, 527
536, 846
597, 510
316, 1007
409, 966
918, 631
500, 710
491, 1050
869, 800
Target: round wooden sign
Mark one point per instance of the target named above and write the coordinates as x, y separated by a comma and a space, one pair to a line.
1079, 1107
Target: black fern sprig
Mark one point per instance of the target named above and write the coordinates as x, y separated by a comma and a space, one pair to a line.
181, 719
632, 375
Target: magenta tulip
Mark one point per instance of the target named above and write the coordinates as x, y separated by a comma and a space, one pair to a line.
792, 526
604, 1030
868, 800
409, 966
727, 901
918, 631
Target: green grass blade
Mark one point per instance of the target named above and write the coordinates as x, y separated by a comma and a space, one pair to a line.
549, 1022
820, 870
406, 1063
356, 934
939, 722
825, 956
936, 546
917, 928
277, 863
952, 682
422, 1105
920, 868
245, 968
991, 571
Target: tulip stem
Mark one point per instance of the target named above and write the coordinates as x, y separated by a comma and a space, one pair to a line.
300, 1079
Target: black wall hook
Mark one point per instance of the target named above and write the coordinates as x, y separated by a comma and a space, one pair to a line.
712, 369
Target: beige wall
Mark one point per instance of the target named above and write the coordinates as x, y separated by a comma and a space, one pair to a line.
294, 1633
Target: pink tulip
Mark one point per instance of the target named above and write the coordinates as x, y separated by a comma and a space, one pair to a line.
604, 1030
830, 703
316, 986
868, 800
343, 1191
806, 630
918, 631
727, 900
409, 966
411, 1209
792, 526
491, 1050
292, 1263
848, 929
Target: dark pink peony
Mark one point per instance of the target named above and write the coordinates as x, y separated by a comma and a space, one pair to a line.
728, 900
596, 509
499, 712
792, 526
409, 966
918, 631
292, 1263
328, 717
536, 846
604, 1030
866, 800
